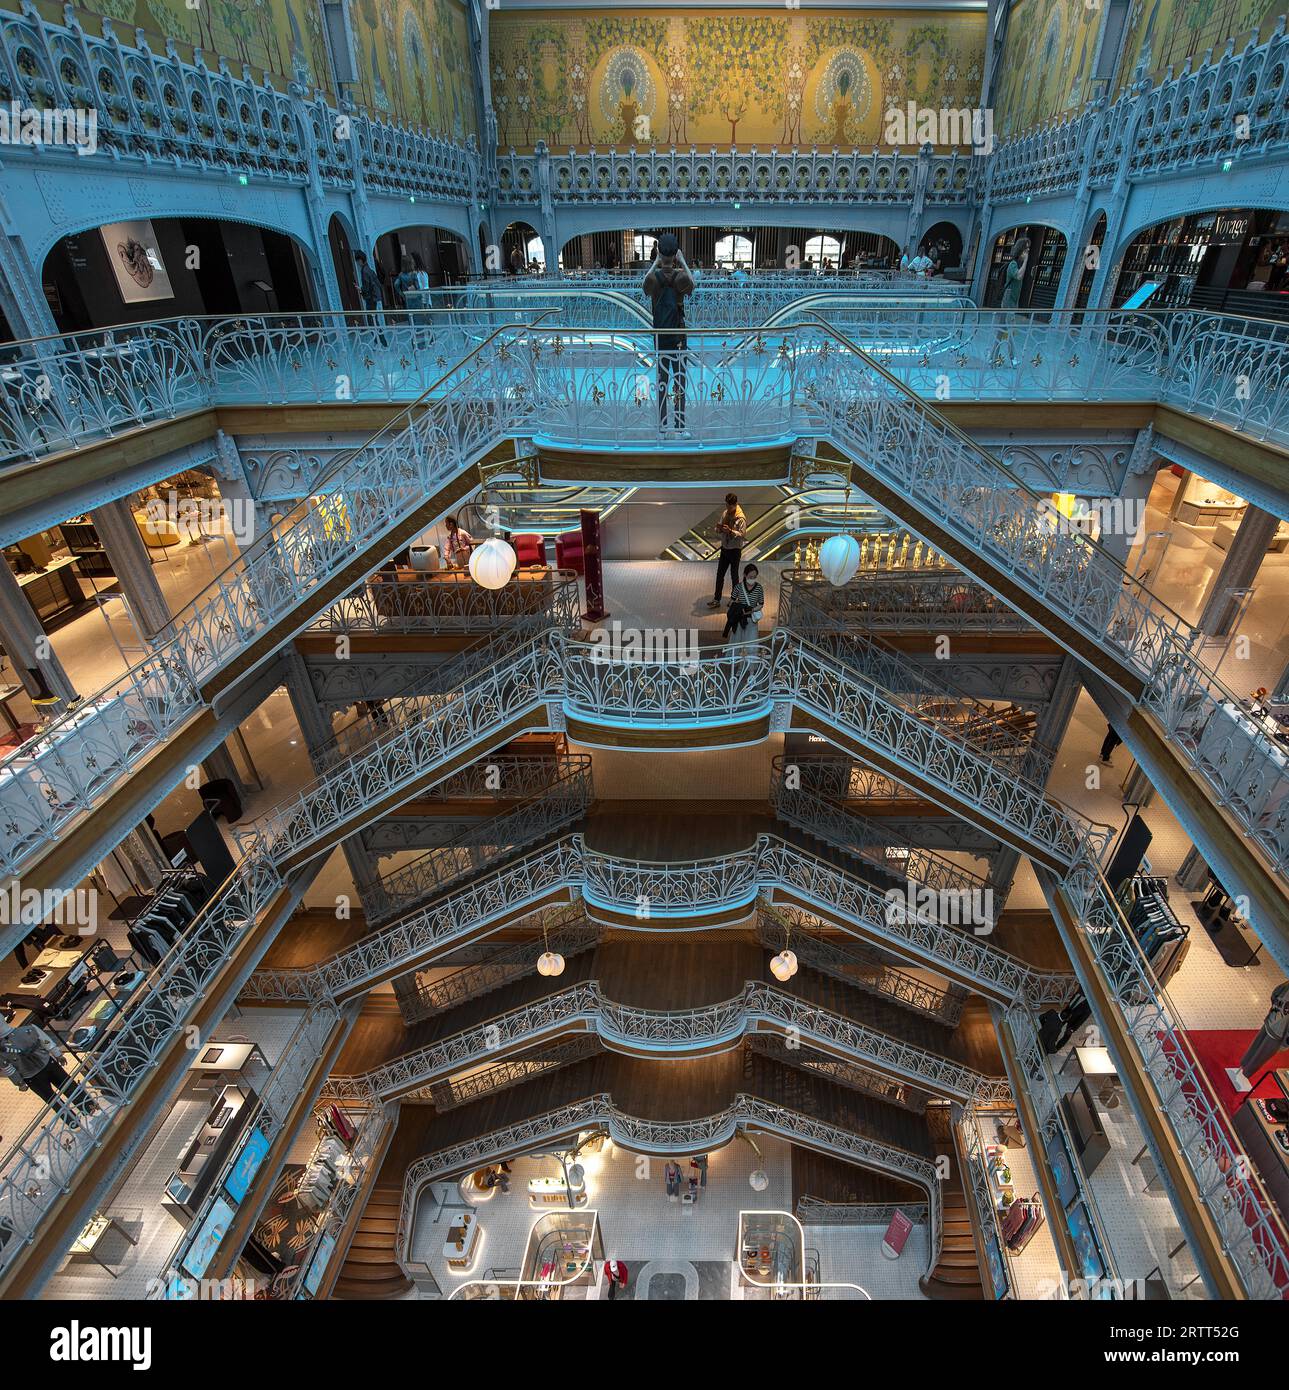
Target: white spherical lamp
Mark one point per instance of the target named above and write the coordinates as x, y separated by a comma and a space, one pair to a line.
758, 1181
492, 563
839, 559
550, 963
784, 965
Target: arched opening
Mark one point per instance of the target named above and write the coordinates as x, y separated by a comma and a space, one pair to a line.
724, 248
943, 242
1091, 262
823, 252
1236, 260
1042, 268
522, 251
342, 260
129, 272
439, 253
733, 252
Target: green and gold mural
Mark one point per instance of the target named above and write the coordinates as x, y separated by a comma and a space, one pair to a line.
755, 77
1164, 33
413, 56
1051, 46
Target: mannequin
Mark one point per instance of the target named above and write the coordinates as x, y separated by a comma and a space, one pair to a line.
1273, 1036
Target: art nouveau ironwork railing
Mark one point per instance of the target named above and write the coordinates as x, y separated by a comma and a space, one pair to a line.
757, 1008
671, 1137
884, 427
1000, 733
564, 930
782, 927
975, 1183
1184, 122
844, 697
562, 800
851, 1075
653, 176
156, 109
397, 603
63, 770
41, 1165
803, 804
454, 1091
922, 600
1251, 1230
815, 1211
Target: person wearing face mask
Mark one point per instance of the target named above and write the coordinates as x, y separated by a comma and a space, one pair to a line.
746, 609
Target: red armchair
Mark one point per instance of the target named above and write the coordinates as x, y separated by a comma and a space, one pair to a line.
529, 549
568, 552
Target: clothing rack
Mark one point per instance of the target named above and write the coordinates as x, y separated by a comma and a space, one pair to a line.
1020, 1221
176, 900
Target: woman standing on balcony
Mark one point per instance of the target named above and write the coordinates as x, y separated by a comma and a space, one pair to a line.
745, 610
459, 544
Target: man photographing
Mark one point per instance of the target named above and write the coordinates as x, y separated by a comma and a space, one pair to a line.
668, 282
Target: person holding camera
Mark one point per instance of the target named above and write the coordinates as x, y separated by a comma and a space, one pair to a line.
668, 282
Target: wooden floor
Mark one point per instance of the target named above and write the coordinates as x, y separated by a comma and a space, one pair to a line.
310, 936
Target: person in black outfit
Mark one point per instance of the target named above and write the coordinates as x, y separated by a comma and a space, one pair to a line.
667, 283
1110, 743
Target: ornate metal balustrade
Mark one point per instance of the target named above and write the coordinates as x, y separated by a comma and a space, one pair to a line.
875, 420
663, 1137
831, 820
565, 930
42, 1164
366, 494
951, 949
455, 1091
655, 176
1251, 1231
386, 603
815, 1211
976, 1186
924, 600
1184, 122
840, 694
565, 797
843, 1073
1002, 734
780, 927
155, 108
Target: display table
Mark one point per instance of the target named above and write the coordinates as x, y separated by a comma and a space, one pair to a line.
462, 1243
554, 1192
95, 1229
53, 591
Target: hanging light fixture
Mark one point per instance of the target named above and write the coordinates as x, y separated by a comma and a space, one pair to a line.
839, 555
758, 1180
784, 965
549, 962
492, 563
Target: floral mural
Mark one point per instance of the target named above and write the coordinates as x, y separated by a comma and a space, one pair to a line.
1051, 45
412, 56
764, 77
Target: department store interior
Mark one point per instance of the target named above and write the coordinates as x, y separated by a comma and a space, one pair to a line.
615, 685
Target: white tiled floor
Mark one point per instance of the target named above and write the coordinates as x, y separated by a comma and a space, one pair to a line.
1035, 1271
137, 1202
639, 1223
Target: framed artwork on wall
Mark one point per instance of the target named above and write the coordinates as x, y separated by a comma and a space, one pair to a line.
136, 261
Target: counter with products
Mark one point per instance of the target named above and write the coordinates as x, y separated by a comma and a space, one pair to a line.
204, 1156
1262, 1124
555, 1192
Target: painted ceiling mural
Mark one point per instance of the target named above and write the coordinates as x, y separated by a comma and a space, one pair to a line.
1050, 50
413, 56
760, 77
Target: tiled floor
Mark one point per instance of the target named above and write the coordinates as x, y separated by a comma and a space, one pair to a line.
1035, 1272
639, 1223
137, 1202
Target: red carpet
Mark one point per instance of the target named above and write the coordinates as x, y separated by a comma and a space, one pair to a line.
1214, 1051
